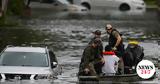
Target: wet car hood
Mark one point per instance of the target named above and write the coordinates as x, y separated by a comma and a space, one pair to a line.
24, 70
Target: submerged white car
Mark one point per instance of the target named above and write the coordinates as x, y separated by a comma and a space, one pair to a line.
122, 5
74, 8
31, 63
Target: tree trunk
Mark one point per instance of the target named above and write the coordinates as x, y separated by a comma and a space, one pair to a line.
4, 6
3, 10
0, 5
158, 3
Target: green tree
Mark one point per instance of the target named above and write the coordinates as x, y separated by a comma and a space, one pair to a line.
151, 2
16, 7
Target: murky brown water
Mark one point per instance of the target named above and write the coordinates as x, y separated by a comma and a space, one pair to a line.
70, 33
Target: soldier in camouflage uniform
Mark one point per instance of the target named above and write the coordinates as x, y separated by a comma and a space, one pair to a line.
98, 52
88, 59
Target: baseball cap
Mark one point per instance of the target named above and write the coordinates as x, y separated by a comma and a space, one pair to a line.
133, 42
108, 26
97, 32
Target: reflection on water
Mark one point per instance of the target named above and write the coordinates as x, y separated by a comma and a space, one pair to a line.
158, 14
18, 36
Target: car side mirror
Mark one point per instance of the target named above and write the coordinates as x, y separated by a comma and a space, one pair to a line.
54, 64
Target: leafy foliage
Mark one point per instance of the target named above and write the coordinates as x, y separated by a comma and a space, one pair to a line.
16, 7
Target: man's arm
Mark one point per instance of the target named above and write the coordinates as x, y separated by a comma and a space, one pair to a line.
88, 57
87, 60
116, 34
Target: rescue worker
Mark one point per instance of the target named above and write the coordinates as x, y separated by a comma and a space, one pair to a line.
88, 59
111, 62
133, 55
98, 52
116, 44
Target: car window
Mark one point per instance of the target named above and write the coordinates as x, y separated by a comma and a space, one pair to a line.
24, 59
52, 56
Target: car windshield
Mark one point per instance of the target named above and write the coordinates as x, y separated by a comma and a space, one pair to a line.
24, 59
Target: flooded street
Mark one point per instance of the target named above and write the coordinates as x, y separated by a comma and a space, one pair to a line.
70, 33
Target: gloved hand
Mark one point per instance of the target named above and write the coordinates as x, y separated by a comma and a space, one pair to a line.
102, 60
114, 48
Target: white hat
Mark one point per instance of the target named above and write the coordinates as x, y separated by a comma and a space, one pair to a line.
109, 26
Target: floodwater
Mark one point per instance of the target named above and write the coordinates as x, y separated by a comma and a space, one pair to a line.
70, 33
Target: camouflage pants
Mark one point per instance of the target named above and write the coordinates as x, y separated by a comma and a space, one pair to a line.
121, 66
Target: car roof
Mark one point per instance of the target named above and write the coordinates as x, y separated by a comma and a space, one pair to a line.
26, 49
